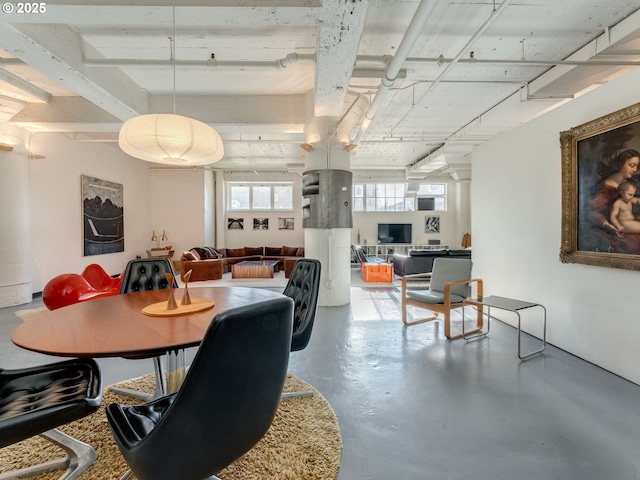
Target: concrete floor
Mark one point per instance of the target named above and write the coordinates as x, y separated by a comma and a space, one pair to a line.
413, 405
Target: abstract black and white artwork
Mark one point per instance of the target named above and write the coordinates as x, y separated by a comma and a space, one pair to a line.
103, 216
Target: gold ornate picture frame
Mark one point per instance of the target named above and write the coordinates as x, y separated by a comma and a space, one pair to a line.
600, 161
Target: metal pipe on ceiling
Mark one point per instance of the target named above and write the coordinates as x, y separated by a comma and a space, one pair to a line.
418, 21
290, 59
495, 14
498, 61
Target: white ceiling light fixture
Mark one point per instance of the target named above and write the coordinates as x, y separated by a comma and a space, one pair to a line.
307, 147
169, 138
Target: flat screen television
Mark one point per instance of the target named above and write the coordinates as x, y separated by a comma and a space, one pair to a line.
426, 203
394, 233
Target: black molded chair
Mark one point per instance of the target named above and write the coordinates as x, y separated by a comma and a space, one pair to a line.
37, 400
225, 405
139, 275
147, 274
302, 287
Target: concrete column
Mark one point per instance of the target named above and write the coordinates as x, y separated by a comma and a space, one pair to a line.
15, 230
332, 245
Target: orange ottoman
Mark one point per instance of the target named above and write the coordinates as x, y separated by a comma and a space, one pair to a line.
377, 272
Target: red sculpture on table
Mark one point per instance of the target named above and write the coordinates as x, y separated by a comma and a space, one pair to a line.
70, 288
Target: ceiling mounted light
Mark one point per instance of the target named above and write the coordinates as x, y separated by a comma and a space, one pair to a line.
307, 147
350, 146
169, 138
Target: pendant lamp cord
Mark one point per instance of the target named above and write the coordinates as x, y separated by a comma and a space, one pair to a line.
172, 44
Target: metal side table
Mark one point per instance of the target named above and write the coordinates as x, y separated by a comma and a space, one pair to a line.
511, 305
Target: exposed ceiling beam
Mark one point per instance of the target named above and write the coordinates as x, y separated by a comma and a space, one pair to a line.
212, 109
56, 50
195, 14
25, 86
201, 3
336, 51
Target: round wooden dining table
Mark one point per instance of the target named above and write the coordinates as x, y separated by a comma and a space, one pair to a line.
116, 326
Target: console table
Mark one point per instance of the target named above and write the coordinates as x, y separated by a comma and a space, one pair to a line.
160, 252
386, 250
510, 305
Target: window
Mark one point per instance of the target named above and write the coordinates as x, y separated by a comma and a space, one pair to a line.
283, 197
262, 196
381, 197
239, 195
432, 197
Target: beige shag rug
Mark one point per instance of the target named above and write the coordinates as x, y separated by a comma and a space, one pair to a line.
29, 313
303, 442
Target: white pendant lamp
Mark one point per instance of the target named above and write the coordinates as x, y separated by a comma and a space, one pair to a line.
169, 138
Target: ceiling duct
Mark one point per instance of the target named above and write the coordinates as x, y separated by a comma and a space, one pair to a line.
455, 156
412, 188
410, 173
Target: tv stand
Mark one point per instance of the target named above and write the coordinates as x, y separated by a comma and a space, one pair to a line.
386, 250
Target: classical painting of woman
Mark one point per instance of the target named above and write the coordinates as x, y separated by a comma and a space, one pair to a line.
605, 162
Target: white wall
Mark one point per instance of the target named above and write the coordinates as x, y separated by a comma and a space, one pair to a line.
248, 237
178, 207
454, 223
177, 202
15, 222
516, 215
55, 200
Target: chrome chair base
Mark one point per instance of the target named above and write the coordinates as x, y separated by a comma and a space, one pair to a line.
161, 385
129, 474
301, 394
79, 457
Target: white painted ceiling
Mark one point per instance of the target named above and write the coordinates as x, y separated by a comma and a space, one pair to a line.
259, 71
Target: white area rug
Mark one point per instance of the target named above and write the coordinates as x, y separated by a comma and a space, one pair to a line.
278, 281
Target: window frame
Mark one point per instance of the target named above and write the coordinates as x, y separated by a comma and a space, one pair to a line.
434, 196
251, 186
372, 204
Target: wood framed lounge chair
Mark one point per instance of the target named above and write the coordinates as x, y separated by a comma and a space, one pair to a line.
449, 284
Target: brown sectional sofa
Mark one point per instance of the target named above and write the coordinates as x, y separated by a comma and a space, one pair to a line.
207, 263
204, 263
